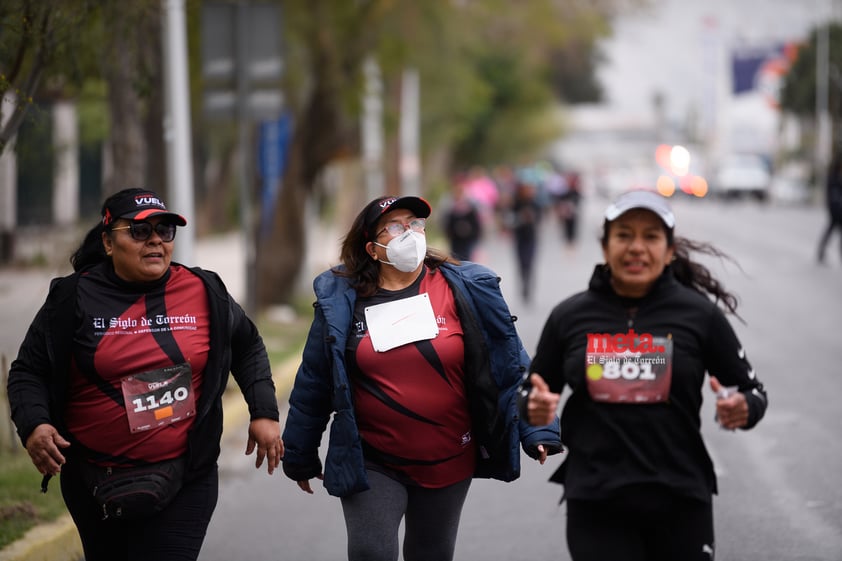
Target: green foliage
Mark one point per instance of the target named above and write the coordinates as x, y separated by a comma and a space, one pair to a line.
52, 37
798, 92
22, 505
35, 159
489, 79
481, 113
92, 107
509, 125
284, 337
46, 48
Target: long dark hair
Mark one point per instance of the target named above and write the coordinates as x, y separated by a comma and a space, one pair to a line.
691, 273
91, 251
364, 271
698, 277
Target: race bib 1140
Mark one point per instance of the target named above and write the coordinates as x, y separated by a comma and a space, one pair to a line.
159, 397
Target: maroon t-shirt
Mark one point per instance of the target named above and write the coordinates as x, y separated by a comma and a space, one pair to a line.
128, 329
410, 402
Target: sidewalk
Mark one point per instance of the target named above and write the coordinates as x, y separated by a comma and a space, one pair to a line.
21, 293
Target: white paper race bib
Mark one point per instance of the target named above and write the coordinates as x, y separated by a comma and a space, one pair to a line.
159, 397
400, 322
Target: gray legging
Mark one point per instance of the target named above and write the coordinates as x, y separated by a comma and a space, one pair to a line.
373, 517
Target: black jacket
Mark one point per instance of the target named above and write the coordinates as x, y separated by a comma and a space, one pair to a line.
39, 376
611, 445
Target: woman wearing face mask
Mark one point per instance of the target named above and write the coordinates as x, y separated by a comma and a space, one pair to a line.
416, 356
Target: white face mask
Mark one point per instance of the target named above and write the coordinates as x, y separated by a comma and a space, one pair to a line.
406, 252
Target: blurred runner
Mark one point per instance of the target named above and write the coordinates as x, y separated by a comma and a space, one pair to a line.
834, 206
462, 224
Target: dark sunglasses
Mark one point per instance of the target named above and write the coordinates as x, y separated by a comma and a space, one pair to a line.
142, 231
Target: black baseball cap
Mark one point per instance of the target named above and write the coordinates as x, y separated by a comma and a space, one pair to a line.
138, 204
381, 205
641, 198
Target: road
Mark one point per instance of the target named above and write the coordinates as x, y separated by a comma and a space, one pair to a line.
780, 498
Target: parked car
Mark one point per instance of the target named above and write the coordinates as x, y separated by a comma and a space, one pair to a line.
741, 175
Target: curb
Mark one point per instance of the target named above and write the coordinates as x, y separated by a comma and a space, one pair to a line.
55, 541
59, 540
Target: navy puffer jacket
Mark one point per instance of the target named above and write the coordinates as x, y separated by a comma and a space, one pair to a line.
495, 364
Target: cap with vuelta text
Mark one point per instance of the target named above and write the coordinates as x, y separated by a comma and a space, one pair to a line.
380, 206
138, 204
641, 198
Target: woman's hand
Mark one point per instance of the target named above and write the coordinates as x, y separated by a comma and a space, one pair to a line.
305, 484
265, 435
43, 446
731, 408
542, 404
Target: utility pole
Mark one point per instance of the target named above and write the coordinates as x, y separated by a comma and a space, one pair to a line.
242, 67
177, 135
410, 159
8, 184
823, 132
372, 130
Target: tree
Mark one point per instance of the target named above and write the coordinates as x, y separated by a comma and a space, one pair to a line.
38, 39
131, 65
574, 72
52, 48
798, 91
487, 88
485, 80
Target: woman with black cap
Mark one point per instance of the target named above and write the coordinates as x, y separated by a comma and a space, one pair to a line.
417, 358
634, 349
118, 386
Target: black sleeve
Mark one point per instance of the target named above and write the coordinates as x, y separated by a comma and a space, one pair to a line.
251, 367
548, 360
29, 378
31, 387
725, 358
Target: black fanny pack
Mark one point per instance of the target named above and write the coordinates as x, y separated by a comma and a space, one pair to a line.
129, 493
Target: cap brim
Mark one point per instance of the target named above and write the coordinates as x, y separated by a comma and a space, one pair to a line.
384, 205
418, 206
145, 214
646, 200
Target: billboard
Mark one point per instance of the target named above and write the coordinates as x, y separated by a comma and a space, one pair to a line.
761, 68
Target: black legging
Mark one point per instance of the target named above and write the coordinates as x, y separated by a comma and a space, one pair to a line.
373, 517
525, 246
646, 523
176, 534
834, 224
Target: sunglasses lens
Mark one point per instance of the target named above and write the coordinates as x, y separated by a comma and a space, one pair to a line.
140, 230
165, 231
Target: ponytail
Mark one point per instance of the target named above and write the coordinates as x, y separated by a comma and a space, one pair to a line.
91, 250
698, 277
